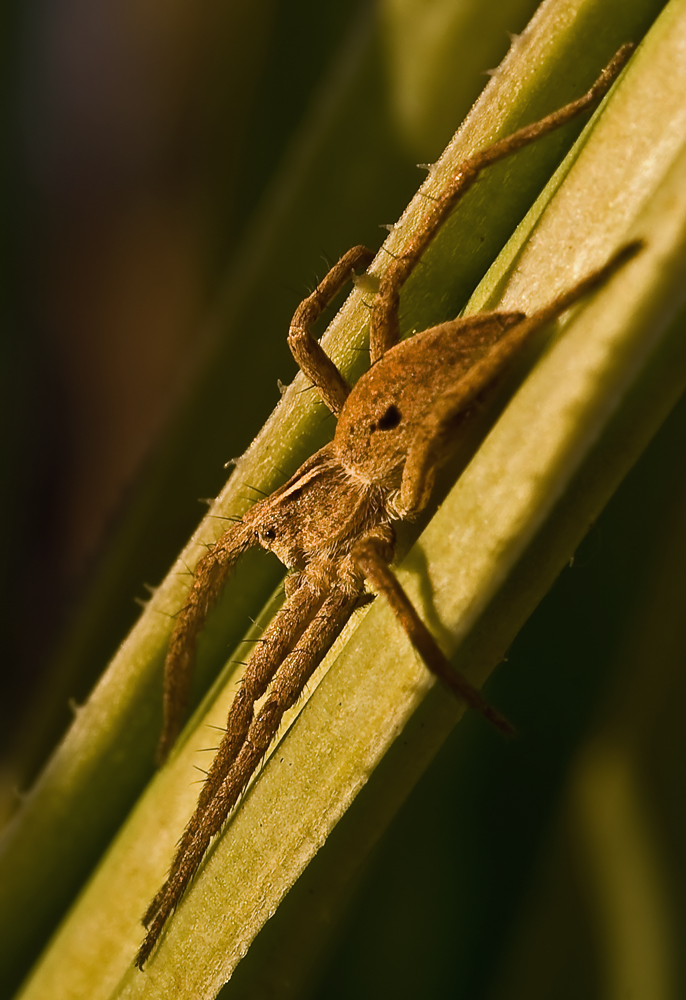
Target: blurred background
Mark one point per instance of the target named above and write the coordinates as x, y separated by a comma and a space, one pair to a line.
175, 176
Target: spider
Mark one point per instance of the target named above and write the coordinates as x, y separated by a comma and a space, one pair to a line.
331, 524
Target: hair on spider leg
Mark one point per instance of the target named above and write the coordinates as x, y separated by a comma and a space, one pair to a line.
320, 297
390, 254
256, 488
184, 572
304, 693
168, 614
173, 615
404, 256
322, 617
315, 290
309, 388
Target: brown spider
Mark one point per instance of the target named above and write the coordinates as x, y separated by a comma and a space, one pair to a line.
331, 523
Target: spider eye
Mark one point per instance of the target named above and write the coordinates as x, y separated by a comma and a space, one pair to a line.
269, 534
390, 419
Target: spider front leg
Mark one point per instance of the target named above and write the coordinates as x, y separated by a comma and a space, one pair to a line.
372, 557
432, 436
307, 351
210, 576
384, 331
288, 685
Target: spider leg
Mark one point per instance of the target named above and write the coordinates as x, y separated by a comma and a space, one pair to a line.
278, 640
307, 351
384, 332
288, 684
372, 557
432, 435
210, 577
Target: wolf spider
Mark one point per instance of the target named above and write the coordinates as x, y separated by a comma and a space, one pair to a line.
331, 523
